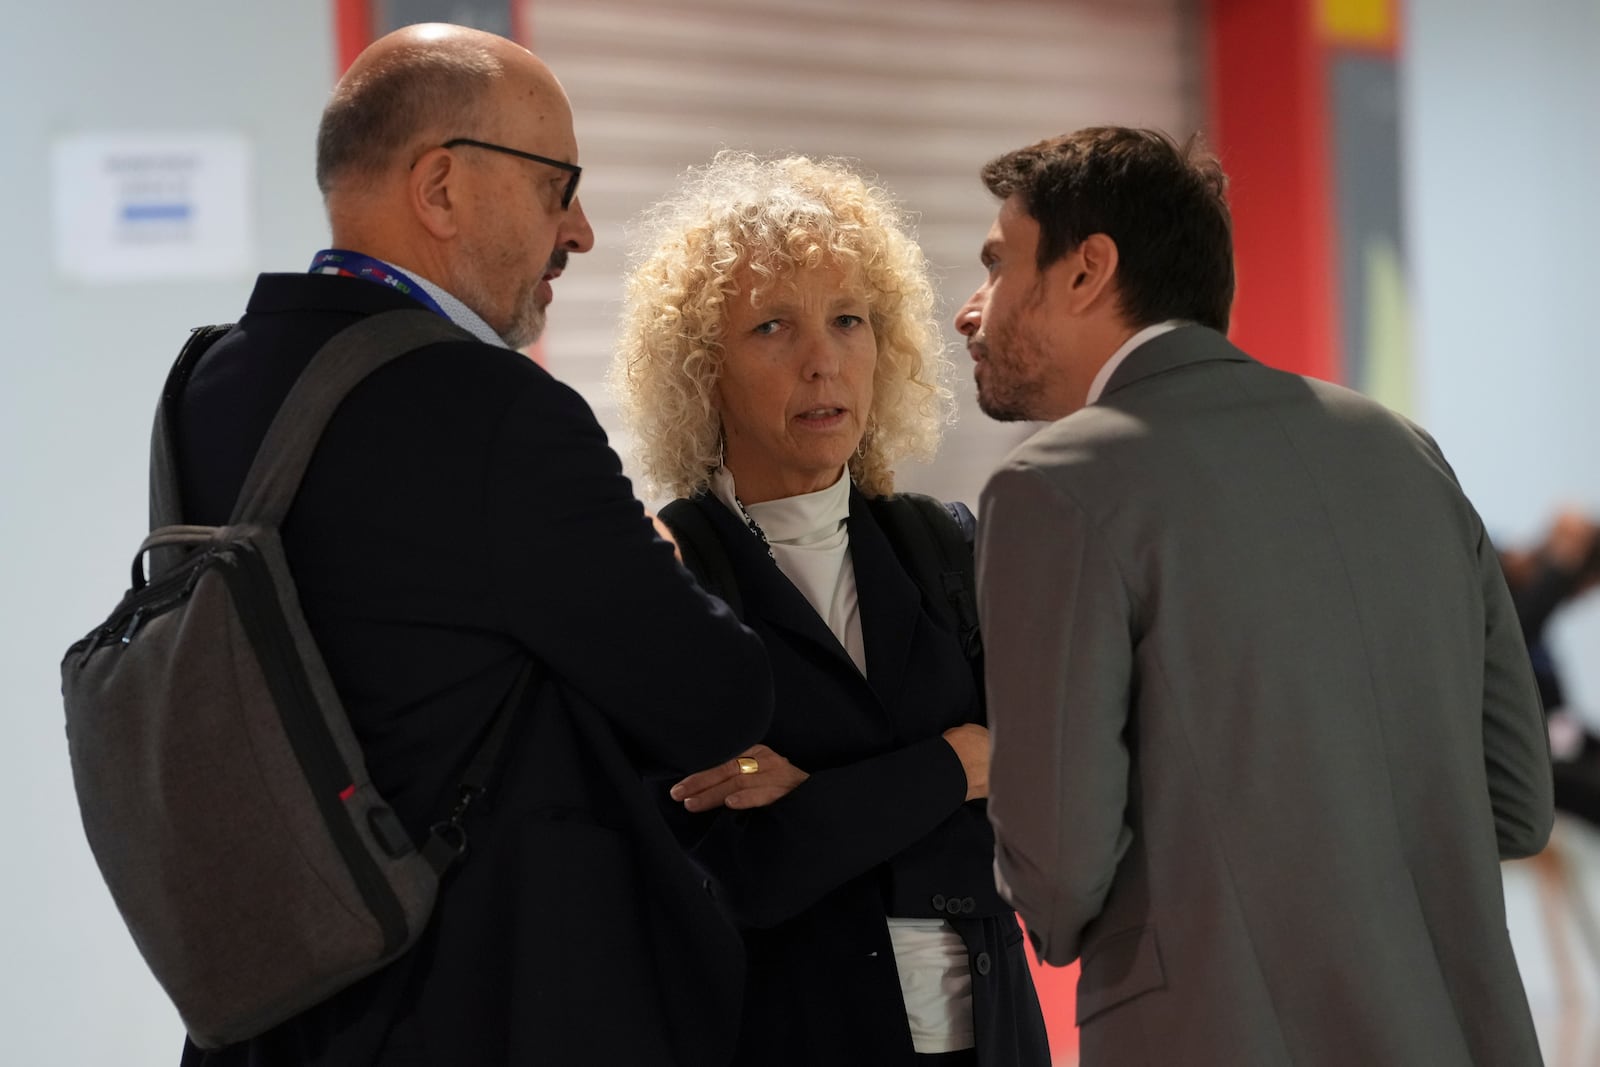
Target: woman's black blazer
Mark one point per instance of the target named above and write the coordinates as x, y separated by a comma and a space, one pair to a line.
880, 828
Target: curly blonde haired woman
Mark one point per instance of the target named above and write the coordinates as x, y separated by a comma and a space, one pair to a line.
779, 355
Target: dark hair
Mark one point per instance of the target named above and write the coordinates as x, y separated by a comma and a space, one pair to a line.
379, 112
1164, 205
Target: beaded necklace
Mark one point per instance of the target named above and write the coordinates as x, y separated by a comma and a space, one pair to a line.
754, 527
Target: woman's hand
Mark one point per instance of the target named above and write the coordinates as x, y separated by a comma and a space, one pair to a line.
734, 785
971, 743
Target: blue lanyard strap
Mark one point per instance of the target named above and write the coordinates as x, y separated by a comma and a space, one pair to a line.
356, 265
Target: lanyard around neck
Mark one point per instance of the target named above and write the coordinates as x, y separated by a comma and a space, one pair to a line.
356, 265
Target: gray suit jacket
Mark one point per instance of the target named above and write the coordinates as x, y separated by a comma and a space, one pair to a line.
1263, 724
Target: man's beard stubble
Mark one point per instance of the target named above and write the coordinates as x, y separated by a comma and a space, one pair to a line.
527, 320
1012, 390
528, 315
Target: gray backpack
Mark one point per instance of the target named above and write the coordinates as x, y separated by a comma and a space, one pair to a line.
222, 790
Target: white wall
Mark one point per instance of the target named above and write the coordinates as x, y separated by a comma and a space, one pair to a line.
79, 371
1501, 113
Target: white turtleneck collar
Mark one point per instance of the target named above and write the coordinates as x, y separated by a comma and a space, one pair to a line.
801, 521
809, 539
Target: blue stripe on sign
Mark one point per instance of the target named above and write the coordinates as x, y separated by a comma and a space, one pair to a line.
154, 212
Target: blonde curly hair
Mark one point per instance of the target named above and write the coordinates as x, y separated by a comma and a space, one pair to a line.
773, 216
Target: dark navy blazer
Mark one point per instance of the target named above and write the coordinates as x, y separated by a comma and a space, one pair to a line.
462, 515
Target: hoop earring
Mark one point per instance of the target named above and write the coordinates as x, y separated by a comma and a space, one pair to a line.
866, 435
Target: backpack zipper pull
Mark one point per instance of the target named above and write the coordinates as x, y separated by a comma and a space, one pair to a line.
133, 624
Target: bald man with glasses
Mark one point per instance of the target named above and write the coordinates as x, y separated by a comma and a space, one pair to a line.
462, 523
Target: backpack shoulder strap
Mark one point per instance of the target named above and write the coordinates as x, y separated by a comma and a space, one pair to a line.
166, 503
934, 541
337, 368
702, 551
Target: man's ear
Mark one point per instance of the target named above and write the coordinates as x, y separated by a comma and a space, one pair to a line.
1093, 271
433, 190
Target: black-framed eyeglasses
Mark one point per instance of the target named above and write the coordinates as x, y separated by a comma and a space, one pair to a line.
574, 172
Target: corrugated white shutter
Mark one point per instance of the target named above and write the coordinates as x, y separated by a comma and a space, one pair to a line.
920, 92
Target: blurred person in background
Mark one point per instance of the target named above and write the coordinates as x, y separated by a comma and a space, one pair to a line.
778, 356
1544, 580
1263, 721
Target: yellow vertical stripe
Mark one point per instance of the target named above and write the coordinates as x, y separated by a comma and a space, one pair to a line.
1361, 22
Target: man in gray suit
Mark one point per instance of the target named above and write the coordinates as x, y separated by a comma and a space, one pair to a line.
1263, 722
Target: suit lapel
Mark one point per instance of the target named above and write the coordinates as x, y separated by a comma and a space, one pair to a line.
767, 593
1177, 348
889, 602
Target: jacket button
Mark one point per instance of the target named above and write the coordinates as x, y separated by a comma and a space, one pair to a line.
968, 905
953, 906
938, 902
983, 963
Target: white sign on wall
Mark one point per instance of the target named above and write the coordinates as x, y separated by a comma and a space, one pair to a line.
147, 207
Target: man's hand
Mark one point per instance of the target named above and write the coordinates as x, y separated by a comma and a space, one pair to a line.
971, 743
734, 785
